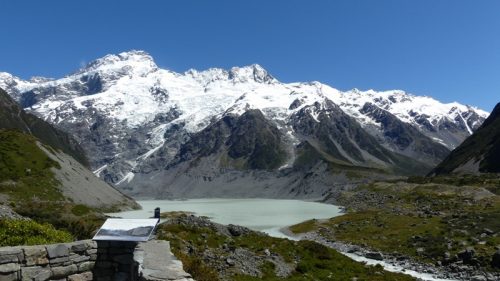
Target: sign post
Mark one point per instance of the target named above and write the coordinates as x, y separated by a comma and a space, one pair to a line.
136, 230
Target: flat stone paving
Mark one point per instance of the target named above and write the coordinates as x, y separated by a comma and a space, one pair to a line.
156, 262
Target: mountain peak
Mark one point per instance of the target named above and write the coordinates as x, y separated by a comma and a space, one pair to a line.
495, 115
479, 153
134, 60
252, 72
496, 110
40, 79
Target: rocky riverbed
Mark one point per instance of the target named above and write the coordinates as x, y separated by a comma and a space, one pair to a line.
447, 231
405, 264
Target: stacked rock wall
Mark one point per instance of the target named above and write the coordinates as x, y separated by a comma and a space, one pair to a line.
89, 260
76, 261
58, 261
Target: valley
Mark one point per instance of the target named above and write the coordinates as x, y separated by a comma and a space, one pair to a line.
385, 177
250, 140
153, 132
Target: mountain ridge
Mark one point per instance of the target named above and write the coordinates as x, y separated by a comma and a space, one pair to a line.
13, 117
37, 164
479, 153
133, 117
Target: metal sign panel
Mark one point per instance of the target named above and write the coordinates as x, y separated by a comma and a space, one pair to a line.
126, 230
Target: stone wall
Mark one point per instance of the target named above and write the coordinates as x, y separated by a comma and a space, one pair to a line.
89, 260
71, 261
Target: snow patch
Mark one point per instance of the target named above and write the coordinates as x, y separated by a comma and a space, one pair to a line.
98, 171
128, 177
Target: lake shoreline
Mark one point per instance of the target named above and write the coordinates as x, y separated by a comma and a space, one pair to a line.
407, 266
260, 214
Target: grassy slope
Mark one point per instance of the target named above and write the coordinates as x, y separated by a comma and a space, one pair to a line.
437, 218
31, 189
25, 173
311, 261
13, 117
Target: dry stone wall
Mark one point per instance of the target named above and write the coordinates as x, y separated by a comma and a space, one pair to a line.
72, 261
86, 260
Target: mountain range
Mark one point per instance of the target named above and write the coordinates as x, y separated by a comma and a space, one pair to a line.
479, 153
153, 132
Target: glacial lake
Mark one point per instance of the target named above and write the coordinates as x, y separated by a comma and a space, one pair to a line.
266, 215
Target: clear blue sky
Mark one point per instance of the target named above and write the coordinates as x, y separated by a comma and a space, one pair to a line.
446, 49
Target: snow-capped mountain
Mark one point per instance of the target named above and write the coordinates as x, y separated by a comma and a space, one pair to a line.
479, 153
135, 119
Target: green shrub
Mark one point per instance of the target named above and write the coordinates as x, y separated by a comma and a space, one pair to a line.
79, 220
28, 232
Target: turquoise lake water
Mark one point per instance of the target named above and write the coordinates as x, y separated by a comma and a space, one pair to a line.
266, 215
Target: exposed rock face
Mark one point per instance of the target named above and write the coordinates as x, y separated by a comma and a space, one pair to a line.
399, 136
479, 153
446, 124
7, 213
249, 139
337, 138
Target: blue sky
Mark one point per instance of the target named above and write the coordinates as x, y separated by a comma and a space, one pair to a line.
449, 49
